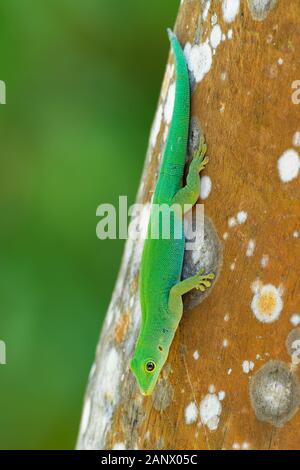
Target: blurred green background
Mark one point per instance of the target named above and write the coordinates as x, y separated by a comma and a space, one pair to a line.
82, 80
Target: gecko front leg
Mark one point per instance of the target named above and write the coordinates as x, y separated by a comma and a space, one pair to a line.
200, 281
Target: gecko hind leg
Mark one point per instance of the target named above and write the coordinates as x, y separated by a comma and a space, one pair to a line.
199, 159
189, 194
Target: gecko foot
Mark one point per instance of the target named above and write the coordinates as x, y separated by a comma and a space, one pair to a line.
204, 281
203, 164
202, 149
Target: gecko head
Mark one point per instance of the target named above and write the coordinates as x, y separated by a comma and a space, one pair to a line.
146, 366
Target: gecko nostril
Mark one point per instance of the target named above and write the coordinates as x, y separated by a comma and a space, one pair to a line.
160, 348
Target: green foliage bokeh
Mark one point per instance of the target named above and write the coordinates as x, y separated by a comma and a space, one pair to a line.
82, 81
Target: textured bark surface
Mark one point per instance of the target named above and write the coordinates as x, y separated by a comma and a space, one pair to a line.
231, 379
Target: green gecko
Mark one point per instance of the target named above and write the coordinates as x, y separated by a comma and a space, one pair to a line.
161, 288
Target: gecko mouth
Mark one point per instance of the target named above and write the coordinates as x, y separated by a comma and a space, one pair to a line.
147, 392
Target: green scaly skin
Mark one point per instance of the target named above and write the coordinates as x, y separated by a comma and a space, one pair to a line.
161, 289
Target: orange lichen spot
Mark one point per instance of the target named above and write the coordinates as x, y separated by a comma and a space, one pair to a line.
122, 327
134, 284
267, 304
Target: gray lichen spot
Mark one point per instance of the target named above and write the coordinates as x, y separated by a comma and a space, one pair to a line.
163, 395
194, 135
167, 370
133, 415
275, 393
293, 341
261, 8
160, 444
209, 256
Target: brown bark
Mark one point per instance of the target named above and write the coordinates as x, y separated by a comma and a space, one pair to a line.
231, 379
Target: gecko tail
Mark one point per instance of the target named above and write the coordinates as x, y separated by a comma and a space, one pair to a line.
171, 34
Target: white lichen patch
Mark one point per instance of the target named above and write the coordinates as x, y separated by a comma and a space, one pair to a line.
205, 187
227, 317
196, 355
223, 76
264, 261
242, 216
230, 34
206, 10
85, 416
296, 234
230, 9
210, 411
199, 59
191, 413
232, 222
247, 366
240, 219
256, 286
167, 79
169, 104
296, 139
250, 248
267, 304
229, 372
156, 126
288, 166
214, 19
221, 395
225, 235
119, 446
211, 388
92, 371
225, 343
245, 446
215, 36
232, 266
112, 369
106, 395
295, 319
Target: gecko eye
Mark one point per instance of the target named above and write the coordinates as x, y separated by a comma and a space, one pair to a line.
150, 366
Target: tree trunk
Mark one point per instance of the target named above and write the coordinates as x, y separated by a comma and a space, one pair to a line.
231, 379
